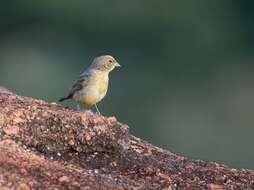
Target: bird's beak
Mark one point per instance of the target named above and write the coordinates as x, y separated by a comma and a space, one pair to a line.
117, 64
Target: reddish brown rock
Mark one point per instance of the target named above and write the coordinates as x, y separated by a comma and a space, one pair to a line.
45, 146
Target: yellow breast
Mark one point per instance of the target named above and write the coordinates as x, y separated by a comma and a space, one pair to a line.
95, 89
89, 100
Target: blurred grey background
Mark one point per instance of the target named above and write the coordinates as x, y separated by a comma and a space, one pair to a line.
187, 77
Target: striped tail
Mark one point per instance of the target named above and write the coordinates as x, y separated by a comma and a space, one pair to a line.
65, 98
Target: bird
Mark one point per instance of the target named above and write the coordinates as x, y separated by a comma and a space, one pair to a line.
92, 85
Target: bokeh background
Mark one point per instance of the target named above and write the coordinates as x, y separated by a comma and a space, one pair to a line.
187, 77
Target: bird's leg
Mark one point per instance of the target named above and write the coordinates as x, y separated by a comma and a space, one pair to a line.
97, 110
78, 108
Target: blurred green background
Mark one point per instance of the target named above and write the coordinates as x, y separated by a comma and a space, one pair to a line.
187, 77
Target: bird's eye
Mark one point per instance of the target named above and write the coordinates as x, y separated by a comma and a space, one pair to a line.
110, 61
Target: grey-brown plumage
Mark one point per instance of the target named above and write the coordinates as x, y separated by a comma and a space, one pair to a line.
91, 86
75, 88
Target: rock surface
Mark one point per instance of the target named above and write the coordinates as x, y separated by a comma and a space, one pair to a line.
46, 146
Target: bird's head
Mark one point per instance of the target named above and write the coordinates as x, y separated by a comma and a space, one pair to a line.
105, 63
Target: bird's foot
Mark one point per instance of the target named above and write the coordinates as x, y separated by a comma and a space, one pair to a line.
97, 110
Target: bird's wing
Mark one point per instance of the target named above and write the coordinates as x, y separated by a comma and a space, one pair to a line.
78, 85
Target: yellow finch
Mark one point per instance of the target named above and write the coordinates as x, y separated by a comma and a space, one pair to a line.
92, 85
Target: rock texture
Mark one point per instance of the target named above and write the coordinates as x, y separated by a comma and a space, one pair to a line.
46, 146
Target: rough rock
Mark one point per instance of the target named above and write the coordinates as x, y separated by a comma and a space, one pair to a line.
47, 146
